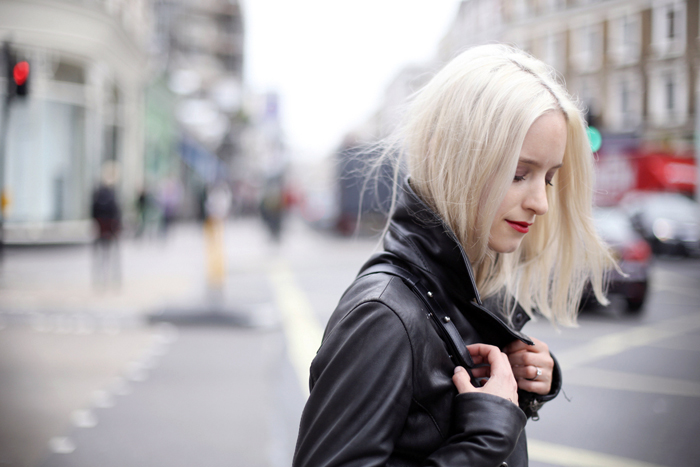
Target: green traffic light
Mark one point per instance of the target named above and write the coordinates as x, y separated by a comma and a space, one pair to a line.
594, 138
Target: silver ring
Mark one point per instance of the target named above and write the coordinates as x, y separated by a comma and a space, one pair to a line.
539, 373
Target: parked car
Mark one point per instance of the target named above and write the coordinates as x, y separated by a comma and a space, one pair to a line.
632, 252
670, 222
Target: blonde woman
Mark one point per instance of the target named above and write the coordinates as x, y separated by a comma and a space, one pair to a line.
423, 362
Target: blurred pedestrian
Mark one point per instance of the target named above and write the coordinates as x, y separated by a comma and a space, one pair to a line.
217, 207
169, 198
143, 207
272, 207
423, 361
107, 214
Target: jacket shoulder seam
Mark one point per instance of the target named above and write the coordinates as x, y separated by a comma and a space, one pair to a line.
413, 392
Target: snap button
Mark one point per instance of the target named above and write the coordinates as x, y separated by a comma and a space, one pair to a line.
446, 319
518, 318
430, 294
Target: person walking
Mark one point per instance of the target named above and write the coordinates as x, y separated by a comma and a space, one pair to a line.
107, 215
424, 361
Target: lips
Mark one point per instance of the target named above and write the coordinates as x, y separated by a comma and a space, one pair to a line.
522, 227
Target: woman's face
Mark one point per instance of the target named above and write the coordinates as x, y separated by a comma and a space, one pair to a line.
540, 157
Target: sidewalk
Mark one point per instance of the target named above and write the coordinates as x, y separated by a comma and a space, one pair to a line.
85, 380
155, 271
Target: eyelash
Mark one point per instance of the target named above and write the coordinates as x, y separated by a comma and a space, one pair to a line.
520, 178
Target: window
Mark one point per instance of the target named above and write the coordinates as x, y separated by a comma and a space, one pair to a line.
670, 94
624, 98
668, 27
624, 39
624, 112
587, 51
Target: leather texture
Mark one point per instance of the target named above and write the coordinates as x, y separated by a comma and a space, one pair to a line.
381, 383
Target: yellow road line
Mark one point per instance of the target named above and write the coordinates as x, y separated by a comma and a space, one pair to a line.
301, 327
565, 456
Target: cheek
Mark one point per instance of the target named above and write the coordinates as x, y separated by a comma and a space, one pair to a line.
508, 202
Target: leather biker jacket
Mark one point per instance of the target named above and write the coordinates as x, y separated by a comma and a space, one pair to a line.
381, 382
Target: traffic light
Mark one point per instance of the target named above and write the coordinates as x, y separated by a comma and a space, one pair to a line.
595, 138
20, 75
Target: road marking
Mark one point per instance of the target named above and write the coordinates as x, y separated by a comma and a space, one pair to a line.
565, 456
301, 327
606, 379
61, 445
613, 344
84, 418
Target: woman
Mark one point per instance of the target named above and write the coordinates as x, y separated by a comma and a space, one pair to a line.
492, 224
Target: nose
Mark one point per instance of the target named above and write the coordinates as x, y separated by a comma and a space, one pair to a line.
536, 200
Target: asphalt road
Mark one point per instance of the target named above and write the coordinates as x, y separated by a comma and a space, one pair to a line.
91, 382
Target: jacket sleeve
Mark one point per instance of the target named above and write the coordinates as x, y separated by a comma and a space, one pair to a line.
361, 392
487, 429
531, 403
361, 387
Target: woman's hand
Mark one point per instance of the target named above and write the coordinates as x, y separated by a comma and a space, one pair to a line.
532, 365
501, 381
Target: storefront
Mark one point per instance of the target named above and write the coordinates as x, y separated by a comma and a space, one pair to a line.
84, 107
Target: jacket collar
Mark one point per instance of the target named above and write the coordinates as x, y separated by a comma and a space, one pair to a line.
418, 235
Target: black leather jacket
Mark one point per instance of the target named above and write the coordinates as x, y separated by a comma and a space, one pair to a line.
381, 382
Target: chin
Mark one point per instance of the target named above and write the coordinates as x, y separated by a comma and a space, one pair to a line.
504, 248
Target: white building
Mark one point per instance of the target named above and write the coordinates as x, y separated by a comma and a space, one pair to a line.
85, 106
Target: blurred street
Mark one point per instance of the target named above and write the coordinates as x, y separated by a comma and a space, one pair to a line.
92, 377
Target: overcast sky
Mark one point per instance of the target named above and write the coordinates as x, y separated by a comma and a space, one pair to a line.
331, 60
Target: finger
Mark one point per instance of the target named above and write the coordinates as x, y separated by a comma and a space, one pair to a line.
482, 351
477, 359
515, 346
461, 380
500, 365
539, 345
522, 358
529, 372
538, 387
481, 372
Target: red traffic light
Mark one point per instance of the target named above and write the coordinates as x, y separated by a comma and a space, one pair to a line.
20, 73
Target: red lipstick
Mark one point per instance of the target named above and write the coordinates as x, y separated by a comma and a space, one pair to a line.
522, 227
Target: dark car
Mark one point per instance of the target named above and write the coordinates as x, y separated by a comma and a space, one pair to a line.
632, 252
669, 221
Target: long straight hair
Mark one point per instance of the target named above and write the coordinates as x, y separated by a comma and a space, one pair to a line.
461, 140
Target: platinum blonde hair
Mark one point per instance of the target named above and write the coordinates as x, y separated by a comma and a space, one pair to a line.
461, 140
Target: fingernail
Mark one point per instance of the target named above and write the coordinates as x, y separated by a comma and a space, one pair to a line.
458, 369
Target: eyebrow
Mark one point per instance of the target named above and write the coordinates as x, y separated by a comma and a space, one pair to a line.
536, 163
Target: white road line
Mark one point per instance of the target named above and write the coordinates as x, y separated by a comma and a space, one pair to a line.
301, 327
613, 344
606, 379
61, 445
565, 456
84, 418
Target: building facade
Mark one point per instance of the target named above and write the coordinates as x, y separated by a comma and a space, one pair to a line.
633, 64
85, 105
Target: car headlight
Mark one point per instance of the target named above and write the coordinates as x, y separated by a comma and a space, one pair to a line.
663, 229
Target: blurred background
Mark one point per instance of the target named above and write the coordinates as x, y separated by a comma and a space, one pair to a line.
180, 183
